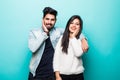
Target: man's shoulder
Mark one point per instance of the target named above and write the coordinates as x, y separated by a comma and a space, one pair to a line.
59, 29
35, 30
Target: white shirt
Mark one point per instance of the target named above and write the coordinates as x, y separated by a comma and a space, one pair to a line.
70, 63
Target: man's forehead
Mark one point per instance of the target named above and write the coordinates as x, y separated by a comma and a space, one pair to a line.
50, 16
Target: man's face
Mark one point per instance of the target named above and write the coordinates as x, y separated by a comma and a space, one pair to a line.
49, 21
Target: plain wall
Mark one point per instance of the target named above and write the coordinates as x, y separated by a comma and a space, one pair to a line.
101, 27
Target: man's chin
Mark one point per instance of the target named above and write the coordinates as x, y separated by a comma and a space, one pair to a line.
49, 28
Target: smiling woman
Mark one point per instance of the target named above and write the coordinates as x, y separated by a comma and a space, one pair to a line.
67, 61
101, 26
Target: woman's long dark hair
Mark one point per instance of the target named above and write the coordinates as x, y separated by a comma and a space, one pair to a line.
66, 34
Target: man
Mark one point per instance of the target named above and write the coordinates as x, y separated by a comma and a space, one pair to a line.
42, 42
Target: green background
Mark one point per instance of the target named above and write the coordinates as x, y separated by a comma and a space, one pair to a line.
101, 26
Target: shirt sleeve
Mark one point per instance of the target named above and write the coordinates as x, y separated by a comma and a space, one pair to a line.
34, 42
82, 36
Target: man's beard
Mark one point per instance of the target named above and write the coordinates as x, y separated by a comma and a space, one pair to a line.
51, 27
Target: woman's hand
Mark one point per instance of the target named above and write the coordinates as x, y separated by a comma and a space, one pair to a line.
58, 78
57, 75
74, 34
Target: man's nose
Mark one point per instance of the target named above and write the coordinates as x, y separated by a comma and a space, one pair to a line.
49, 21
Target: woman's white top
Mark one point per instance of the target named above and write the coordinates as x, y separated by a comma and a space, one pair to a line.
70, 63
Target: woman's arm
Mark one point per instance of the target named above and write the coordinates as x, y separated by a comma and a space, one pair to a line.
76, 46
57, 75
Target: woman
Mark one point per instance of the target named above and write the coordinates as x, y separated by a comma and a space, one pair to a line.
67, 61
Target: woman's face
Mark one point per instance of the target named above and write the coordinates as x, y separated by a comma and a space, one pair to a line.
74, 25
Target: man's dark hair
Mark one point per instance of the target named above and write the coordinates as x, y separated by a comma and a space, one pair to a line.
49, 10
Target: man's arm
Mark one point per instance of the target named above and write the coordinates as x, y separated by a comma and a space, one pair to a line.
84, 43
36, 39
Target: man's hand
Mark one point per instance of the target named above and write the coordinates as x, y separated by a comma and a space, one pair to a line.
45, 28
85, 46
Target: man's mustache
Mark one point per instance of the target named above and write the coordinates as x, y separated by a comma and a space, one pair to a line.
49, 24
